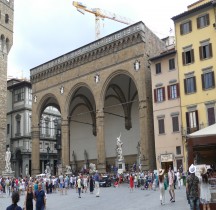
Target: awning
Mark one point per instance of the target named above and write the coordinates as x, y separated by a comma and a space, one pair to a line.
208, 131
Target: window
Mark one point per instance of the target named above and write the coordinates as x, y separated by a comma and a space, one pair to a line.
178, 150
18, 125
208, 80
19, 95
190, 85
171, 64
192, 121
6, 18
211, 115
8, 128
205, 51
188, 57
158, 68
30, 94
159, 94
175, 123
173, 91
185, 28
161, 126
203, 21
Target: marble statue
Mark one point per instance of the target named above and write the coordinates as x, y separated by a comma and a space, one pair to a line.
7, 160
119, 144
47, 170
92, 168
68, 169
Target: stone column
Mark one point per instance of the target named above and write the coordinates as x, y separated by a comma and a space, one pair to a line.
101, 165
35, 169
144, 145
65, 144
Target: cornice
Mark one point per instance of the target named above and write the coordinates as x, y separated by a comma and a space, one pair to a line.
44, 71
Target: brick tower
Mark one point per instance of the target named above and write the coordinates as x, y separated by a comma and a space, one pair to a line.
6, 41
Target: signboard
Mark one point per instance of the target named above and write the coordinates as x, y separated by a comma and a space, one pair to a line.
167, 158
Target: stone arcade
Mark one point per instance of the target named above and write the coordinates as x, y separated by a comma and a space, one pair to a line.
100, 89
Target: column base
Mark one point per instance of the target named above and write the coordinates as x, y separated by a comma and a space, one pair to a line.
145, 166
35, 172
101, 167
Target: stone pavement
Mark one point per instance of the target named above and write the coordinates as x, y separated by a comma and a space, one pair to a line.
110, 199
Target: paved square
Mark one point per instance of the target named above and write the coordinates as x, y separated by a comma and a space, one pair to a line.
110, 199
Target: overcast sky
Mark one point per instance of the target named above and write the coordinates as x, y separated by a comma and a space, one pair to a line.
45, 29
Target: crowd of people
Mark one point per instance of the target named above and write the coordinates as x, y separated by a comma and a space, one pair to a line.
36, 189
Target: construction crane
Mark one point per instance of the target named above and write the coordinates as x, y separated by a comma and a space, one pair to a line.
100, 14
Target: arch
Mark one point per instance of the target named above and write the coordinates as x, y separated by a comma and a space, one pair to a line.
47, 100
90, 105
109, 79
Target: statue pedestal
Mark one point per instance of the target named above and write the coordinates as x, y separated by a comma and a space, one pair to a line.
120, 164
9, 174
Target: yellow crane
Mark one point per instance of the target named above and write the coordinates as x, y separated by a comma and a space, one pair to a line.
100, 14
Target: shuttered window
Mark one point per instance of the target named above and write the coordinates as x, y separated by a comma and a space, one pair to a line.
159, 94
211, 116
203, 21
208, 80
190, 85
205, 51
192, 121
186, 28
175, 123
173, 91
188, 57
161, 126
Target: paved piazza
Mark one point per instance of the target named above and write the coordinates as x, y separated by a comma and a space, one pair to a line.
110, 199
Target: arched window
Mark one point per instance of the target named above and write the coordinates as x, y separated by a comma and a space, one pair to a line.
6, 18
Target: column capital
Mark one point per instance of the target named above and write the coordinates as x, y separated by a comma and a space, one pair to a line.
99, 113
142, 104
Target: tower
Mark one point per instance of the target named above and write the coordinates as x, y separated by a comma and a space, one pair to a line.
6, 41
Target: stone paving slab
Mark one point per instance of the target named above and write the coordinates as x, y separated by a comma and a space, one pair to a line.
110, 199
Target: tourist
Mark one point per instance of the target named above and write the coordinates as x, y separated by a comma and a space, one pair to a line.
205, 195
178, 175
61, 183
15, 199
85, 183
97, 186
91, 185
193, 189
171, 176
28, 203
161, 186
131, 183
79, 186
40, 198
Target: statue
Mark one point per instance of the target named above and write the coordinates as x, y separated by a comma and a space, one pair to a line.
119, 144
68, 169
47, 170
7, 160
92, 168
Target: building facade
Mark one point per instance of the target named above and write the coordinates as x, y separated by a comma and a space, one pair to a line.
102, 92
19, 113
6, 42
167, 110
195, 43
